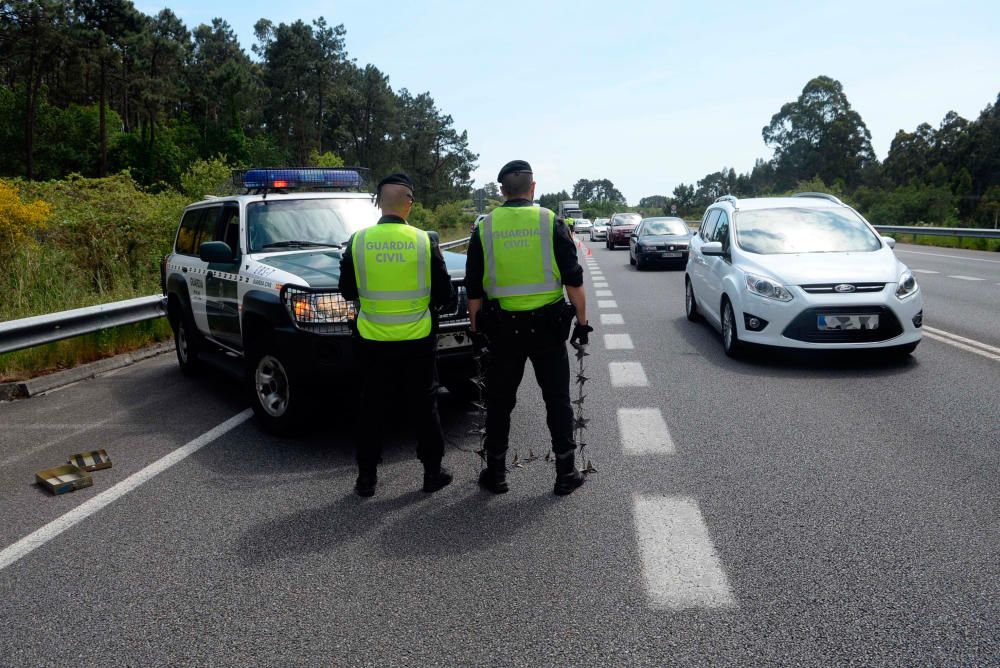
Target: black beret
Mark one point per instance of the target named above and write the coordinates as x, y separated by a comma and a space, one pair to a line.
399, 178
513, 166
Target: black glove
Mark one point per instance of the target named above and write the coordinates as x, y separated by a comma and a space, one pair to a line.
581, 334
479, 340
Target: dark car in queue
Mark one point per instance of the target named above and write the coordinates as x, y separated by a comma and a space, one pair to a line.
620, 229
659, 241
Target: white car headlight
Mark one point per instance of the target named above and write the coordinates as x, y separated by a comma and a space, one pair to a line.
321, 308
907, 285
765, 287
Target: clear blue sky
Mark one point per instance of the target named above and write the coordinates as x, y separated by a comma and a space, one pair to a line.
652, 94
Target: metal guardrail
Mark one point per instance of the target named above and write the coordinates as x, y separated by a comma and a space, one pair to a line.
971, 232
42, 329
448, 245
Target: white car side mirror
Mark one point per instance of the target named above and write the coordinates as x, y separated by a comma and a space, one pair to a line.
889, 241
713, 249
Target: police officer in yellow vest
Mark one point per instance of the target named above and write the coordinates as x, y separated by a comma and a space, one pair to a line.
520, 260
399, 276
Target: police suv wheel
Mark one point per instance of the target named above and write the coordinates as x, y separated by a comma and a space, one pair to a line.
186, 345
272, 393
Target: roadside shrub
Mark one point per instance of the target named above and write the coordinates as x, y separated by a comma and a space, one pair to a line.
208, 177
113, 230
20, 222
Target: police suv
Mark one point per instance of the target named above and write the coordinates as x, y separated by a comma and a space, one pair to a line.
255, 276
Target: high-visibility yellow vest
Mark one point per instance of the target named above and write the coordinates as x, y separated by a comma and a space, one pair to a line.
519, 260
392, 265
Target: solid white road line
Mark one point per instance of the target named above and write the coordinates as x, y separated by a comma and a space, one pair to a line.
967, 278
627, 374
604, 293
679, 562
618, 342
924, 271
962, 346
607, 303
42, 536
600, 284
643, 431
954, 257
970, 345
612, 319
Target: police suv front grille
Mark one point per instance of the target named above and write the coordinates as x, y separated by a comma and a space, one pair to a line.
458, 310
831, 288
318, 311
804, 327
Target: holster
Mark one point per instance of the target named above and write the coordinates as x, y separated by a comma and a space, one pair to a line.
488, 318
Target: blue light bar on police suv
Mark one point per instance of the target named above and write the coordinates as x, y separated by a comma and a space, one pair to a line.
300, 178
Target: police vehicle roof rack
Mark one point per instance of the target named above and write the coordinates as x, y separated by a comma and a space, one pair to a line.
726, 198
262, 180
819, 195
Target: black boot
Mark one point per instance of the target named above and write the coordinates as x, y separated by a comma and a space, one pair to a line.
365, 484
436, 477
568, 478
494, 476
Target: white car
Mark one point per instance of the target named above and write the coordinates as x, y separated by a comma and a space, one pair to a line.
805, 271
583, 226
599, 232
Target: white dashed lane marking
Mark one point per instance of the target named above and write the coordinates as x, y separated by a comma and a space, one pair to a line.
627, 374
618, 342
643, 431
967, 278
604, 293
607, 303
612, 319
679, 562
924, 271
600, 284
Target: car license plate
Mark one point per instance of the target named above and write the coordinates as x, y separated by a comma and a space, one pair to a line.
453, 340
829, 323
670, 254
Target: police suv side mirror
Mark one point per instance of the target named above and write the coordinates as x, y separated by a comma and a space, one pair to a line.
215, 251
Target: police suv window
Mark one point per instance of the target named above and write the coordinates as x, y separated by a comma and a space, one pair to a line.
194, 231
229, 228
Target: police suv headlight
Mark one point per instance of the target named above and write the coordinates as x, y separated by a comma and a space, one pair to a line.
765, 287
907, 285
310, 308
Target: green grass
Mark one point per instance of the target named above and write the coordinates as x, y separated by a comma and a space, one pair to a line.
66, 354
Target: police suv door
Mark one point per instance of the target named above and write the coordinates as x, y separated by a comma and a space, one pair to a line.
197, 227
221, 281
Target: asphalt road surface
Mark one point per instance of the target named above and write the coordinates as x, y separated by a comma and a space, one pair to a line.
778, 510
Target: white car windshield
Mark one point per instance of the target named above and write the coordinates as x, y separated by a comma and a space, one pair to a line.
796, 230
291, 223
627, 219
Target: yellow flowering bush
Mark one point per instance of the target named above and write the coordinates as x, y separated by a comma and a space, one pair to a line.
19, 221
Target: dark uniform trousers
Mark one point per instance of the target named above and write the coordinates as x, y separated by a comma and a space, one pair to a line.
399, 379
538, 336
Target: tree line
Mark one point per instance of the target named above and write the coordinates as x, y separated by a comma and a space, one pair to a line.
949, 175
96, 86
